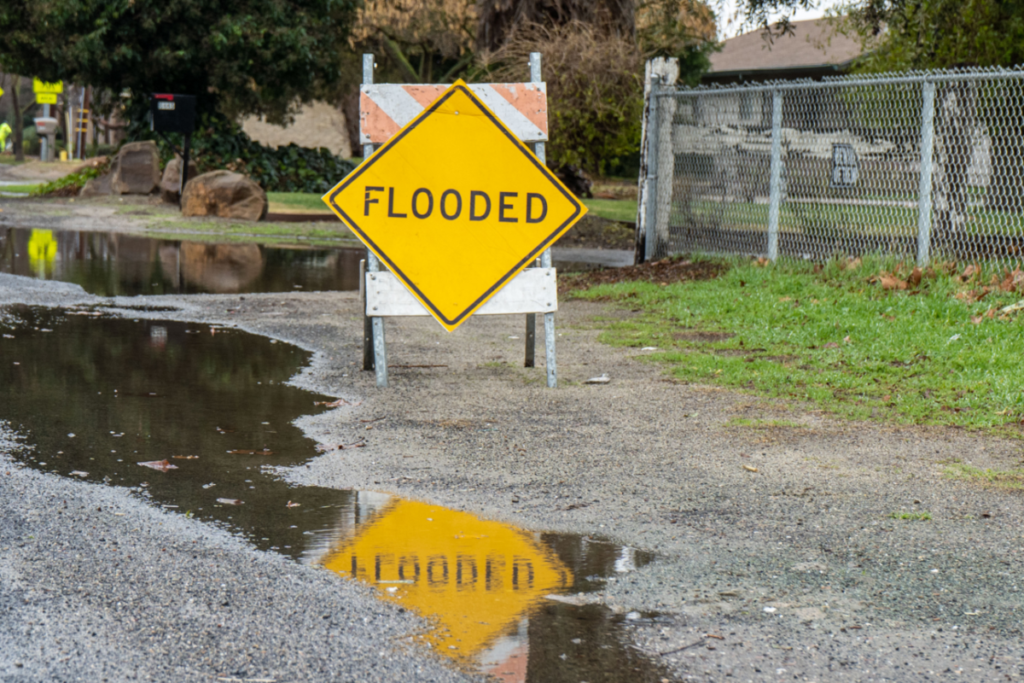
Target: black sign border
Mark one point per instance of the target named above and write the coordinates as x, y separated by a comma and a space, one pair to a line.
516, 142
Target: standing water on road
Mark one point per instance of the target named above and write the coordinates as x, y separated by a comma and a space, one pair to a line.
115, 264
194, 417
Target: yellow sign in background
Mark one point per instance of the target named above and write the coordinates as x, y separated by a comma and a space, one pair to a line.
476, 577
455, 205
46, 98
55, 88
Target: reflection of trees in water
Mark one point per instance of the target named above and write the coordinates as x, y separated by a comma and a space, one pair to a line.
111, 264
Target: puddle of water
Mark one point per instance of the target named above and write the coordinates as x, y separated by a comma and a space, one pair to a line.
207, 409
115, 264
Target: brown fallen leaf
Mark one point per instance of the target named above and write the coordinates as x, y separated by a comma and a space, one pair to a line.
229, 501
915, 277
969, 272
160, 465
892, 282
846, 339
750, 468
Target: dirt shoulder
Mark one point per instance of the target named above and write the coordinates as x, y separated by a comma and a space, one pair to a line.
780, 540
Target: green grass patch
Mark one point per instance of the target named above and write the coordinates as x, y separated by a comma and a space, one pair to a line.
922, 516
622, 210
296, 201
830, 336
1004, 479
25, 188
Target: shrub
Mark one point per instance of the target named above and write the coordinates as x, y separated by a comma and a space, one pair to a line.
219, 144
595, 90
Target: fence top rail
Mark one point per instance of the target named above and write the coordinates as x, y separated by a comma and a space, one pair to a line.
888, 78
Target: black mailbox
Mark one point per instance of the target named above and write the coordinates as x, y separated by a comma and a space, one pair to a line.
173, 113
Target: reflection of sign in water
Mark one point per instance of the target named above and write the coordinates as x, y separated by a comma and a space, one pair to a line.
42, 250
844, 166
477, 578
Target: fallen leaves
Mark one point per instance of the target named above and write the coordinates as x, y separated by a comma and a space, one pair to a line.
338, 403
159, 465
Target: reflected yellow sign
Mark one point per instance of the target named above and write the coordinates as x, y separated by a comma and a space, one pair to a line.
476, 578
42, 250
455, 205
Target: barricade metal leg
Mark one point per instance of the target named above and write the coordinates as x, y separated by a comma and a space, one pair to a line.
380, 350
367, 323
545, 260
531, 339
549, 333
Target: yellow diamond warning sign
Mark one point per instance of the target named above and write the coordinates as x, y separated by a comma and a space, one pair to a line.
455, 205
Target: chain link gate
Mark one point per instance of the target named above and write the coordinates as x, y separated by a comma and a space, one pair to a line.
917, 164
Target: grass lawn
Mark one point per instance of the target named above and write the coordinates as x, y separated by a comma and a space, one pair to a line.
928, 354
21, 188
299, 202
296, 202
623, 210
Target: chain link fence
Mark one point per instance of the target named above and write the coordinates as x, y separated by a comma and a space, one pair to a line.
927, 165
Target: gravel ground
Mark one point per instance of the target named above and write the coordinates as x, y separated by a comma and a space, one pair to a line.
779, 558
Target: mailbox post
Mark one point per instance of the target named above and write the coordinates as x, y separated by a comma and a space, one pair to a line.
175, 114
46, 127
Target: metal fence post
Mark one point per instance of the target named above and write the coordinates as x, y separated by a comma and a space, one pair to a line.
373, 328
650, 205
545, 258
775, 189
924, 196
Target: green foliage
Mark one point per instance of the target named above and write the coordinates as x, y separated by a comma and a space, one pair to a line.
219, 144
836, 338
69, 185
238, 56
595, 91
936, 34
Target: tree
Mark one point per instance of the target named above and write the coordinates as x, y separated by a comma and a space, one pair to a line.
238, 57
427, 41
593, 55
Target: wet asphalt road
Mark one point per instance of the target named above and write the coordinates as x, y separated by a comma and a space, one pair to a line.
794, 572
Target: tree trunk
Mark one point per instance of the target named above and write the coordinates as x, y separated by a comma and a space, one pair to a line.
19, 147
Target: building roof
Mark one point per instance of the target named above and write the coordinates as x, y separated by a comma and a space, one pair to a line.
812, 46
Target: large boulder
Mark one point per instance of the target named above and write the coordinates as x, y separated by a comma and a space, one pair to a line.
136, 168
225, 194
170, 184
